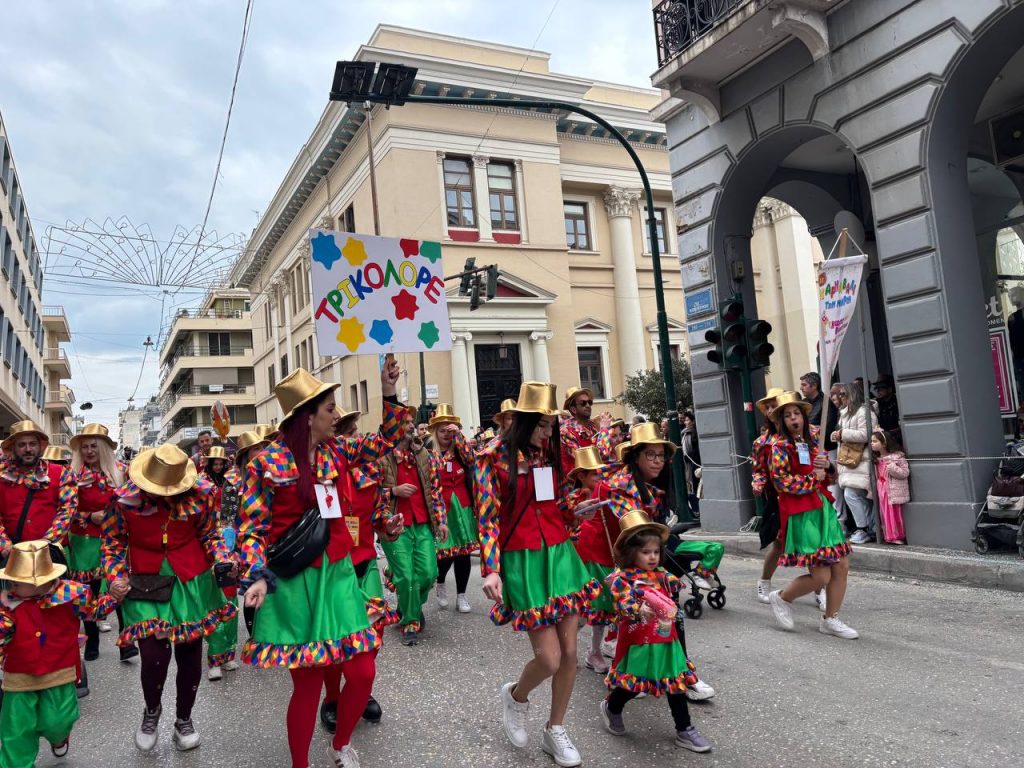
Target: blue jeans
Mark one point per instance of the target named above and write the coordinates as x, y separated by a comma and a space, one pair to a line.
861, 508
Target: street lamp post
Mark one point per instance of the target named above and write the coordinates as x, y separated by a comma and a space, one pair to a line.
361, 81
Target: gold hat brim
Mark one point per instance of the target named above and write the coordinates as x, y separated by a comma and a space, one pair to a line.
659, 528
55, 571
141, 465
324, 387
569, 398
440, 421
77, 439
776, 413
622, 448
8, 442
576, 470
769, 399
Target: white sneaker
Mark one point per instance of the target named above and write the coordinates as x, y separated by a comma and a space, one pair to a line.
781, 609
700, 582
442, 595
764, 588
700, 691
834, 626
185, 735
346, 757
860, 537
103, 626
214, 674
596, 662
608, 648
231, 666
558, 744
821, 600
462, 603
145, 737
515, 717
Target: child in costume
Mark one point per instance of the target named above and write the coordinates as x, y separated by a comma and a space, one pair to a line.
220, 646
39, 617
648, 658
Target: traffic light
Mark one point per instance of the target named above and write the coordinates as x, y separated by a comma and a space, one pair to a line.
467, 278
759, 349
492, 281
729, 339
474, 294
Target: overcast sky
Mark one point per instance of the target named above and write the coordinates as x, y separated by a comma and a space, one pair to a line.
116, 108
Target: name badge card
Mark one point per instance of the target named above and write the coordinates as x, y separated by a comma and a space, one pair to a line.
352, 523
543, 484
803, 454
448, 467
327, 500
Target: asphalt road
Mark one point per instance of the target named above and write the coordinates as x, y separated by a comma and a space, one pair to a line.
935, 680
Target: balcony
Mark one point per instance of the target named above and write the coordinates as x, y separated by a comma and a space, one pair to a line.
55, 323
57, 360
190, 321
60, 399
205, 357
204, 397
701, 43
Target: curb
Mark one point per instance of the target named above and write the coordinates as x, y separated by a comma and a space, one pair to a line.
948, 567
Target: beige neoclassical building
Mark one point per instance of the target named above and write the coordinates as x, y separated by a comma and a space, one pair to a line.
546, 196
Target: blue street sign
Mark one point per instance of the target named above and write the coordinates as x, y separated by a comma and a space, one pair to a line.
699, 303
702, 325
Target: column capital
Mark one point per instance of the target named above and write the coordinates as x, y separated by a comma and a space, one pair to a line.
440, 156
303, 248
518, 164
619, 201
541, 337
461, 337
481, 161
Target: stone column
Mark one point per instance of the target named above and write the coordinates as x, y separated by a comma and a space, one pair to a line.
539, 348
481, 198
620, 204
520, 184
462, 393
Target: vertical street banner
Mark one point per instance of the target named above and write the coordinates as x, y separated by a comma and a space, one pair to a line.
839, 283
377, 294
1006, 386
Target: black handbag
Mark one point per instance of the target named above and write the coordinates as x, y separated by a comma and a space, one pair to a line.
152, 587
303, 542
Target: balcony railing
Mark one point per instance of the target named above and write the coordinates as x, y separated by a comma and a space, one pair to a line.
211, 314
188, 351
52, 310
678, 24
60, 396
55, 354
207, 390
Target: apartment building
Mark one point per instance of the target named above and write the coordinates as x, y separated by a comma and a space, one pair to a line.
60, 398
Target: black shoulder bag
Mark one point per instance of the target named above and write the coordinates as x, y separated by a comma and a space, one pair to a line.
303, 542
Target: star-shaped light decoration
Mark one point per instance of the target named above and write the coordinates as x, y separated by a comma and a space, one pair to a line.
429, 334
405, 305
350, 333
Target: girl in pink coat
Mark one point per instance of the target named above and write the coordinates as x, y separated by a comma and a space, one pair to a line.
891, 473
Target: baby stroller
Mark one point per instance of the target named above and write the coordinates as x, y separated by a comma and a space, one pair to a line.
683, 565
1001, 520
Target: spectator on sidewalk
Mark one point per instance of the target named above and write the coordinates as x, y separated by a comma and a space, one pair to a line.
887, 405
810, 388
855, 479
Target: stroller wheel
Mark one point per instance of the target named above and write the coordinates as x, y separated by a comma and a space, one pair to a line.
716, 598
693, 608
981, 544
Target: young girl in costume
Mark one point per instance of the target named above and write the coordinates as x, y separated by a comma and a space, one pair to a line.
220, 651
531, 570
891, 473
809, 532
648, 658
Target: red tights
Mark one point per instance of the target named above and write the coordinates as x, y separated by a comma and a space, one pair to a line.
359, 672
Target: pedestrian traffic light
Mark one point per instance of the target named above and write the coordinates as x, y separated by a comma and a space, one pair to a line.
729, 339
759, 349
467, 278
492, 281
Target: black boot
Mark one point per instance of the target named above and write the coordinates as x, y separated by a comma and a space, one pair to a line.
92, 641
329, 716
82, 686
373, 712
128, 653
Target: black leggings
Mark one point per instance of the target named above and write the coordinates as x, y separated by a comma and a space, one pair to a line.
619, 697
92, 632
463, 567
156, 658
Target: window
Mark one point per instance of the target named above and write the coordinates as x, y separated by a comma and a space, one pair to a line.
591, 370
8, 342
15, 274
267, 319
347, 220
271, 381
660, 217
353, 397
284, 366
673, 352
577, 229
458, 192
364, 395
501, 186
220, 344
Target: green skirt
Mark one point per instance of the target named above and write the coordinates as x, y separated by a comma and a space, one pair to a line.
653, 668
316, 618
542, 586
601, 610
195, 610
814, 539
462, 531
84, 563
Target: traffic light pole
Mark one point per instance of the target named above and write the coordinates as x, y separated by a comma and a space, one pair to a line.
671, 405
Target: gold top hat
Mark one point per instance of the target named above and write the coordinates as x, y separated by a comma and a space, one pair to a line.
27, 427
788, 398
345, 419
636, 521
217, 452
488, 434
444, 414
537, 397
587, 459
766, 403
246, 442
57, 453
30, 563
508, 405
620, 423
297, 389
644, 434
98, 431
163, 471
266, 432
572, 393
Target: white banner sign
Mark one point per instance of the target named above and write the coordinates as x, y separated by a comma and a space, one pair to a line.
377, 294
838, 286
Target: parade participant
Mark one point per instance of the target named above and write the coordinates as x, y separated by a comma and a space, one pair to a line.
611, 434
531, 569
503, 418
100, 474
39, 618
311, 614
160, 538
266, 432
204, 442
411, 479
810, 534
220, 652
577, 431
760, 458
455, 463
648, 659
57, 454
594, 545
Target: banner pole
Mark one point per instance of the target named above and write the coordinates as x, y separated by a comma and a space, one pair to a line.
825, 374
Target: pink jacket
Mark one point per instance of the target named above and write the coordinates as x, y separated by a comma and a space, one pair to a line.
897, 471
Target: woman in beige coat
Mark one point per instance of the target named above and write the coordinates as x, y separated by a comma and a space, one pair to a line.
855, 482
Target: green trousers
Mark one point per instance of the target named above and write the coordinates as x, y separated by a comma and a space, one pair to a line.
28, 715
710, 552
220, 646
370, 583
412, 560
